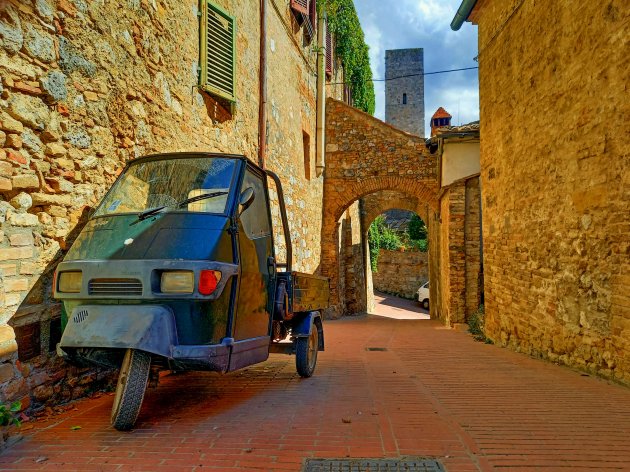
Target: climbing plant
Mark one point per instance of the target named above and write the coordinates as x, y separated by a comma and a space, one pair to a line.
352, 50
381, 236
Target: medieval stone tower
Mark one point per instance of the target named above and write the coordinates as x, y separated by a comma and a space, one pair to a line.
404, 89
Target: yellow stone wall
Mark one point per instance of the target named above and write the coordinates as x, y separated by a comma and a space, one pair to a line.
555, 180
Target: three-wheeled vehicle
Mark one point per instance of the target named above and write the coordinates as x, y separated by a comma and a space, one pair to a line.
176, 270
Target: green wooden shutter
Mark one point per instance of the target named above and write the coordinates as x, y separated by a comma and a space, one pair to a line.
218, 51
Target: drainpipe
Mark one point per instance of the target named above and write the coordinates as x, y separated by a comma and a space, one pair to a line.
462, 14
262, 107
320, 145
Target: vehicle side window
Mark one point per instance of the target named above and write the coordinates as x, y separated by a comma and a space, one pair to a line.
255, 219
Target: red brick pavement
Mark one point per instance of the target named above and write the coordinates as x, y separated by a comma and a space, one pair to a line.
435, 392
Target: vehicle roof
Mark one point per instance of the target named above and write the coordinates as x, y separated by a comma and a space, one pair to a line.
188, 154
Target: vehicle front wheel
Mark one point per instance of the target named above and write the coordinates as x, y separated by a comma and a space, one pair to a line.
425, 303
306, 353
132, 383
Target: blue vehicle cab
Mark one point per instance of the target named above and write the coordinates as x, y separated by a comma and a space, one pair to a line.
177, 270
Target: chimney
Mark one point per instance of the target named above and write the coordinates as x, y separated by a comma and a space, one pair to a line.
440, 119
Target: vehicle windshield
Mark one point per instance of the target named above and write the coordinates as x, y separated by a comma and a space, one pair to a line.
165, 183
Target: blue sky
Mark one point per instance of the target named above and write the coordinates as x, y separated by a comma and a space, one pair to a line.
426, 24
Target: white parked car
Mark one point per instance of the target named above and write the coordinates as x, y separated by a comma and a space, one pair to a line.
423, 296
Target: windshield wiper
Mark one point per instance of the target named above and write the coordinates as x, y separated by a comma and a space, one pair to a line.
154, 211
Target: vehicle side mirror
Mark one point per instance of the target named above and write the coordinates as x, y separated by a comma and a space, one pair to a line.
247, 198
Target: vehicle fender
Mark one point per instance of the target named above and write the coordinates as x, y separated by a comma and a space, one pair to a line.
149, 328
303, 324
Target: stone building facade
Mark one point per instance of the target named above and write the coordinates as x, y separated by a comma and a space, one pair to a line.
404, 89
84, 89
555, 172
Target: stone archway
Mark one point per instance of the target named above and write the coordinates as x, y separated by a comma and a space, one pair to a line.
366, 156
407, 263
380, 202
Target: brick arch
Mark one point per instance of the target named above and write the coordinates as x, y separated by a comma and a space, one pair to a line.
385, 200
366, 156
353, 191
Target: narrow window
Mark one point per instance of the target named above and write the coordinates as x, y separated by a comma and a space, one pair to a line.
404, 98
306, 141
218, 54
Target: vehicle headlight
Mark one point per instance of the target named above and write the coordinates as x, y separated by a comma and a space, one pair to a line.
177, 281
70, 282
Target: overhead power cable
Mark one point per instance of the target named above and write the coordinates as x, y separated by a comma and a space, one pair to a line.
412, 75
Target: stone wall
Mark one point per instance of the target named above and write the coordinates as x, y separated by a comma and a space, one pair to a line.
86, 86
472, 242
455, 254
555, 159
401, 273
404, 69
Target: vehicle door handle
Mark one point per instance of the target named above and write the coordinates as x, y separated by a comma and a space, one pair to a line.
271, 264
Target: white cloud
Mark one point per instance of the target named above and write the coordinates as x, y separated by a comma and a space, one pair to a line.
425, 24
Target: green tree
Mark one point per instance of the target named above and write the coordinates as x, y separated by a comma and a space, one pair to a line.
417, 229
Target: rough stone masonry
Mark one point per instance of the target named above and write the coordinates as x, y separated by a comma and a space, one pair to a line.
555, 179
84, 89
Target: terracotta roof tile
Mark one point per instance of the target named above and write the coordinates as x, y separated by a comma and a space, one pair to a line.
441, 113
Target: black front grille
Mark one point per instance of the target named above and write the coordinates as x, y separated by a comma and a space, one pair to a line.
115, 287
80, 316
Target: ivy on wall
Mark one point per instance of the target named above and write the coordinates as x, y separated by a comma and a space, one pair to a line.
352, 50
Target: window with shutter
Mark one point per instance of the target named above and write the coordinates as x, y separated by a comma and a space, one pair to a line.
218, 52
329, 53
300, 6
310, 21
312, 12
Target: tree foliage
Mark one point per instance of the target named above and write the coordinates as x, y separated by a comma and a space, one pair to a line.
352, 50
417, 229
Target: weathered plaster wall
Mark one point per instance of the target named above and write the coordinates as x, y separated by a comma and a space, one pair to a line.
401, 273
459, 160
555, 172
86, 86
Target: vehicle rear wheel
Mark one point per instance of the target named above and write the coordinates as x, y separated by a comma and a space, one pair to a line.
425, 303
306, 353
132, 383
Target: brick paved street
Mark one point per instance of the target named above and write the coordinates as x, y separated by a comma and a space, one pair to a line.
434, 392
